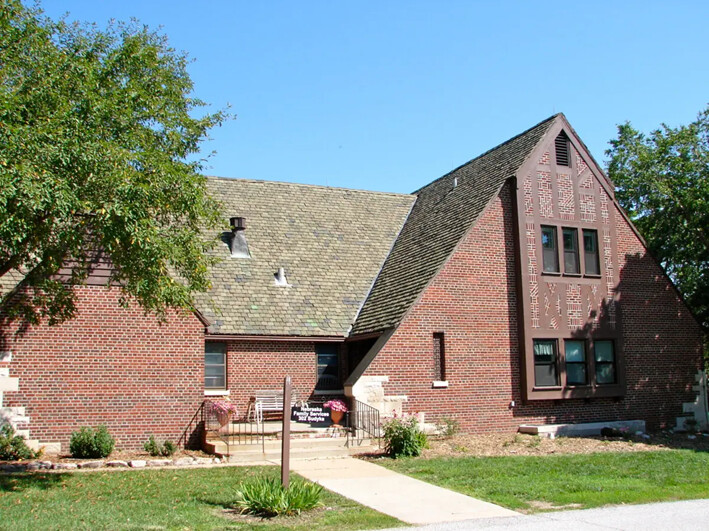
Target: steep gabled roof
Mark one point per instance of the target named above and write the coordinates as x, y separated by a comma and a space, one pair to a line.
442, 215
332, 243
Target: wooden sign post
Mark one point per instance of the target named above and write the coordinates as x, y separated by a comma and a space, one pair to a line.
285, 442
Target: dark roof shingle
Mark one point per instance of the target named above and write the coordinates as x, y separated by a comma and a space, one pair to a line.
440, 218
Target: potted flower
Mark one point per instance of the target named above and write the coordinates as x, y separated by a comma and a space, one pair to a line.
337, 410
223, 410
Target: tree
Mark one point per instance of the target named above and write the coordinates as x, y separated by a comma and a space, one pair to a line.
98, 144
663, 184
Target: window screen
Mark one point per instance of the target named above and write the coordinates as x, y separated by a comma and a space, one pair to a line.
215, 366
571, 251
545, 366
550, 255
605, 362
328, 368
590, 252
575, 357
439, 357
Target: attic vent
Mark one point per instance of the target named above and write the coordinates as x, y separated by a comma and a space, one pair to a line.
455, 182
562, 150
238, 245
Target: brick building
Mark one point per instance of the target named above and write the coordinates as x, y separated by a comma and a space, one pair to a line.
512, 290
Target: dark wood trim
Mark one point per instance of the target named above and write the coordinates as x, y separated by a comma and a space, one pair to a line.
562, 331
523, 316
361, 337
286, 339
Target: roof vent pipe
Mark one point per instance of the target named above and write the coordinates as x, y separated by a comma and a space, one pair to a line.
455, 182
280, 277
238, 245
237, 223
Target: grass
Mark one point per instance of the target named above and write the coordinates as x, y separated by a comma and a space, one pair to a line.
534, 484
159, 499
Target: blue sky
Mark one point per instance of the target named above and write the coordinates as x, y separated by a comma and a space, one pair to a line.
389, 95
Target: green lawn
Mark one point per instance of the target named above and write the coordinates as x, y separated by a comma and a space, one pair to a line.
534, 484
157, 499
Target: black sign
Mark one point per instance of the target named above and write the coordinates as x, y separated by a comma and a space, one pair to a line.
314, 415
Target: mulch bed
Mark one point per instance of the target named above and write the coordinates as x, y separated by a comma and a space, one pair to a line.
520, 444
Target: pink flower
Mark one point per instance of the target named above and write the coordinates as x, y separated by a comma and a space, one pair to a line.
222, 407
336, 405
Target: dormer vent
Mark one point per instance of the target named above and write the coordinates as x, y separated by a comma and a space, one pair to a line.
237, 238
280, 277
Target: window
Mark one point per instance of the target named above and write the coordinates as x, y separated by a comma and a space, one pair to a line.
605, 362
570, 245
550, 256
575, 357
545, 367
439, 357
562, 150
590, 252
215, 366
328, 368
571, 251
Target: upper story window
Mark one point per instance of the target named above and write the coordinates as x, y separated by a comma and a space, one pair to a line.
550, 255
590, 252
562, 150
215, 365
572, 255
571, 251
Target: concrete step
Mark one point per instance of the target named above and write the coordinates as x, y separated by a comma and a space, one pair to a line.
300, 449
257, 455
581, 429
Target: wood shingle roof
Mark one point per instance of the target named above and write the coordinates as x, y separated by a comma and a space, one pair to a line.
444, 211
331, 243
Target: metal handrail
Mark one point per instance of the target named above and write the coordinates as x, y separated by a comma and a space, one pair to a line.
364, 419
192, 436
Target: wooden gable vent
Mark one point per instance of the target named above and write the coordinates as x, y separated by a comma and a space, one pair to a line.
562, 150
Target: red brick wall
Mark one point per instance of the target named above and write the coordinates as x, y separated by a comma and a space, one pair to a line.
110, 366
262, 365
473, 302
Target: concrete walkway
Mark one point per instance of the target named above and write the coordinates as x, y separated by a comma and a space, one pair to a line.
688, 515
408, 499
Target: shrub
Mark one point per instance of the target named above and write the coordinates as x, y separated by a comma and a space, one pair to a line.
155, 449
88, 443
267, 497
448, 427
13, 447
168, 448
403, 437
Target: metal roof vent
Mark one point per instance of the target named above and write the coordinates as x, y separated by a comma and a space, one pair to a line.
562, 150
455, 182
280, 277
237, 238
